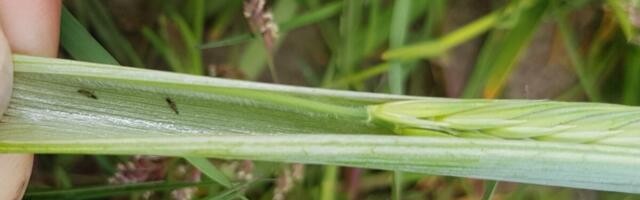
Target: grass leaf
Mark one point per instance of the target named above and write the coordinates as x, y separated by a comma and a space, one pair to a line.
489, 189
435, 48
79, 43
499, 57
399, 27
107, 31
210, 170
228, 119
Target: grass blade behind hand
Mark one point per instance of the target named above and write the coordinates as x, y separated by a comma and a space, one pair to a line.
79, 43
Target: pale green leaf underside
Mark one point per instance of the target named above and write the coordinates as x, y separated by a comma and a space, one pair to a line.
243, 120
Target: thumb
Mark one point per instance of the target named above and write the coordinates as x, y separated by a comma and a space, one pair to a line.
6, 74
14, 168
31, 27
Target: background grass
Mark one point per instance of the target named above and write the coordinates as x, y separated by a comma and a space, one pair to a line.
581, 50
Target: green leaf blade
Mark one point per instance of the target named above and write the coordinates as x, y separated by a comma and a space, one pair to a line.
210, 170
79, 43
241, 120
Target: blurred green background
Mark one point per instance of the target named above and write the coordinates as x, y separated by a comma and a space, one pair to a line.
571, 50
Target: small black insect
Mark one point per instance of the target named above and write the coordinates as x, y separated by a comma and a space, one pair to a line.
172, 105
87, 93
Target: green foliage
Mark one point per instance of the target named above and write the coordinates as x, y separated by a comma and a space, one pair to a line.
489, 189
109, 190
130, 115
210, 170
77, 41
393, 46
182, 55
435, 48
107, 32
398, 33
632, 77
499, 56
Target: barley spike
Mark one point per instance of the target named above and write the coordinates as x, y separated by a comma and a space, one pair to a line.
542, 120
